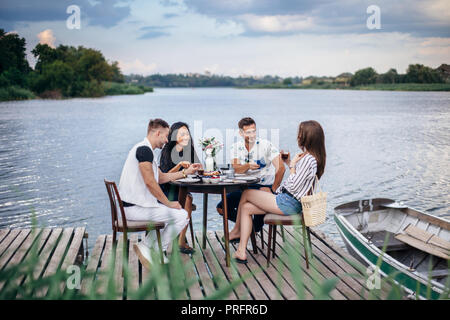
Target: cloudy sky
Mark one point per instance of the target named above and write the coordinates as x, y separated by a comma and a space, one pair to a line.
236, 37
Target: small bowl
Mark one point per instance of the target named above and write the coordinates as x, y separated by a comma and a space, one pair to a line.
206, 180
215, 180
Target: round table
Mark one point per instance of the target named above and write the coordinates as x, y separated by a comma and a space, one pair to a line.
221, 188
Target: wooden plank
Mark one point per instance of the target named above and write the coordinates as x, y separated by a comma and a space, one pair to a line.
219, 276
252, 284
73, 251
277, 271
57, 258
418, 233
94, 260
318, 272
22, 251
200, 264
118, 269
43, 236
45, 254
195, 292
8, 240
337, 265
422, 246
9, 252
439, 242
133, 265
107, 263
274, 284
347, 258
308, 281
3, 234
241, 290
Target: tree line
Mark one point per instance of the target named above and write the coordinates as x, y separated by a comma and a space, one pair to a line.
65, 71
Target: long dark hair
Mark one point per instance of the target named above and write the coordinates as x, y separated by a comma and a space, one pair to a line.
167, 153
311, 137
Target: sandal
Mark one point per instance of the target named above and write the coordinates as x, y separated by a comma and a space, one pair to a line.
241, 261
187, 250
232, 241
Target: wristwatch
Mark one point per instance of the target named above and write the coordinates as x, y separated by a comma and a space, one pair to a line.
184, 174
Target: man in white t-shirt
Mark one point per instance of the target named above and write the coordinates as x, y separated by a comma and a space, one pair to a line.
142, 196
254, 156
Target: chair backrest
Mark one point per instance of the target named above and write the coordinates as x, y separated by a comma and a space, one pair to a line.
115, 201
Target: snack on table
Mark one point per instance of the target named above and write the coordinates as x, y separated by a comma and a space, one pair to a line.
211, 173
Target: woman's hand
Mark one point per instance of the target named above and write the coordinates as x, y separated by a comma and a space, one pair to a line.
198, 165
191, 169
287, 160
185, 164
296, 159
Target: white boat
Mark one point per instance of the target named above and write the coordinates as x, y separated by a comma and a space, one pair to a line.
418, 244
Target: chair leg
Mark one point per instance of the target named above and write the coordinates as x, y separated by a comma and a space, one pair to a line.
282, 234
274, 240
192, 232
253, 238
158, 235
269, 244
305, 245
309, 242
114, 236
262, 238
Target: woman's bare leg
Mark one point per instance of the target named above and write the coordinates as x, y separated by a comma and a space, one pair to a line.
255, 202
182, 236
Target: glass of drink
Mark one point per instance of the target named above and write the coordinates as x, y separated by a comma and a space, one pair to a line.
284, 154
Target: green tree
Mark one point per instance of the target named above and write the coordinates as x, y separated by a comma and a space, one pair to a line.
44, 54
389, 77
418, 73
363, 77
13, 63
55, 76
287, 82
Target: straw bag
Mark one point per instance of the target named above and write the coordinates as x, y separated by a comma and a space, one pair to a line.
314, 206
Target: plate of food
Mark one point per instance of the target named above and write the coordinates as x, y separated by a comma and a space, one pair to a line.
189, 180
211, 173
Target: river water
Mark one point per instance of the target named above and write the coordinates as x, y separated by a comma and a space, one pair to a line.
54, 154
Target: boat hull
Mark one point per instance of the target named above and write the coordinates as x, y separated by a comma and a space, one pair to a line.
368, 254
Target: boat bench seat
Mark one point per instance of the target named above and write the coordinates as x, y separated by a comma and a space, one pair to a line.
425, 241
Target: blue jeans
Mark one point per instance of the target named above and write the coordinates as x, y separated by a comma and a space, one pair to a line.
289, 205
233, 200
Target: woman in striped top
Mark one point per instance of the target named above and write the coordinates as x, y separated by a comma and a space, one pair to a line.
286, 200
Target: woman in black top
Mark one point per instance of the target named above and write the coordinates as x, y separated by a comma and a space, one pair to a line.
176, 155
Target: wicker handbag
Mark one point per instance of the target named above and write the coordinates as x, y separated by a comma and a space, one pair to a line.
314, 206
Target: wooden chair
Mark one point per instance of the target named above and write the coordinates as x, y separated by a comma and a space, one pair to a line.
273, 220
124, 226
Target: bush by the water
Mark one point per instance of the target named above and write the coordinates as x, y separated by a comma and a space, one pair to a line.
114, 88
15, 93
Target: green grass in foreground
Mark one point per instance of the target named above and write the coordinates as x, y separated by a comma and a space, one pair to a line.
384, 87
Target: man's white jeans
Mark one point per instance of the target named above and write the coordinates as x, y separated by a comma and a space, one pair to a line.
175, 220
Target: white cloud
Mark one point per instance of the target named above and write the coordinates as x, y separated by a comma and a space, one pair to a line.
47, 37
277, 23
137, 66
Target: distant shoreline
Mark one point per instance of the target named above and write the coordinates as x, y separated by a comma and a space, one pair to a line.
371, 87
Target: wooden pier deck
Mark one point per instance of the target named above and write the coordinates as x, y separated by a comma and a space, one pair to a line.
60, 248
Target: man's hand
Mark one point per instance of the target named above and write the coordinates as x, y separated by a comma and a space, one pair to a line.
253, 166
174, 205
